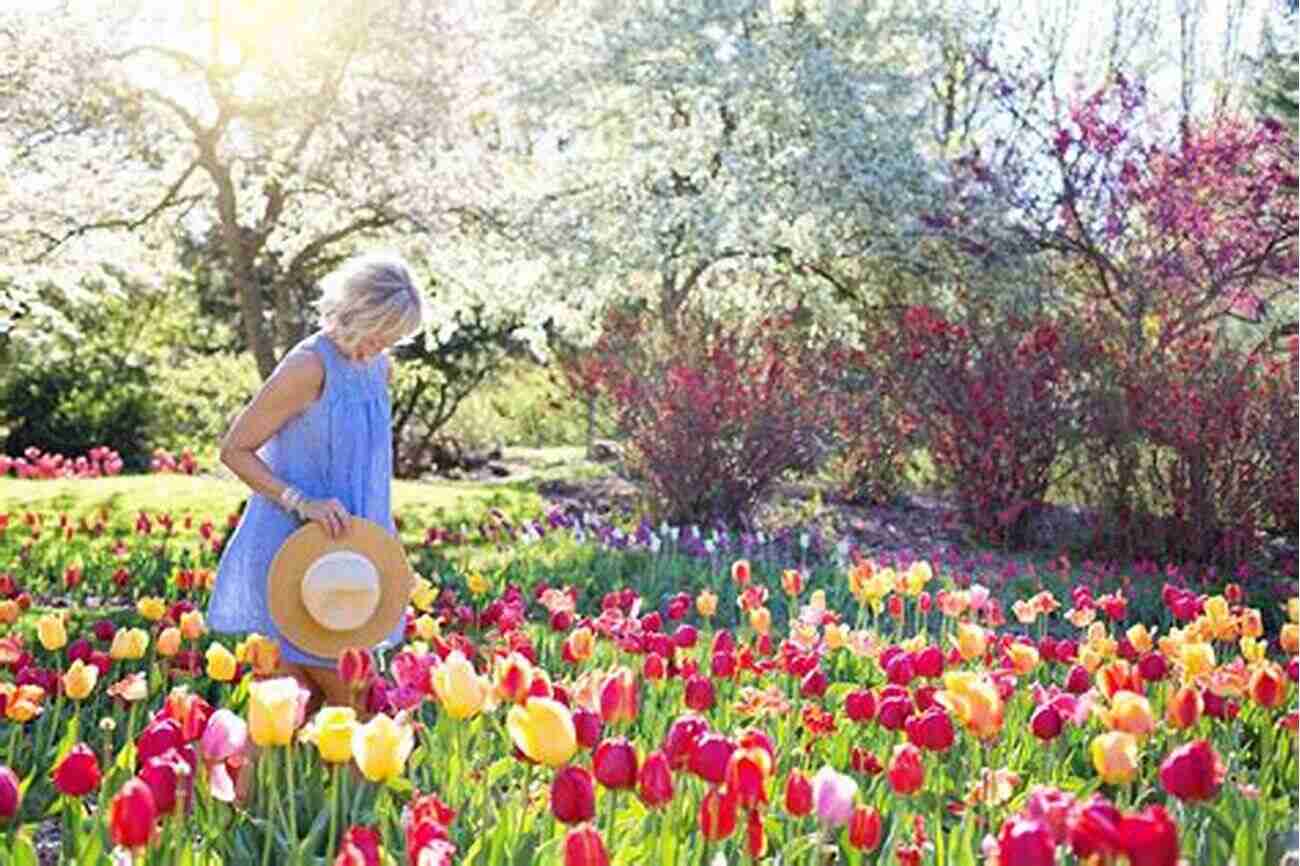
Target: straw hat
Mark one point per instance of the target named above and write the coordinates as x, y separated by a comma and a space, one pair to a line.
328, 594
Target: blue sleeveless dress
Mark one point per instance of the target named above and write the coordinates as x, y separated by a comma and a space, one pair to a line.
339, 447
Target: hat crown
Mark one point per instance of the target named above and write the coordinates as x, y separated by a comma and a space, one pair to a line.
340, 590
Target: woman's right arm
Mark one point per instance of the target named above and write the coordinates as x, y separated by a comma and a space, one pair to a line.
294, 386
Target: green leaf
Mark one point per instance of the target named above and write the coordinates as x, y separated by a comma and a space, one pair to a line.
24, 852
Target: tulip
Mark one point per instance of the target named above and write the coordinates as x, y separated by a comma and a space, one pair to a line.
655, 784
332, 731
682, 738
1193, 772
160, 774
894, 711
588, 726
221, 663
798, 794
615, 764
619, 697
131, 815
262, 654
225, 736
162, 734
459, 688
78, 773
79, 680
359, 847
579, 645
860, 705
972, 641
1094, 829
543, 730
1268, 686
718, 814
740, 572
512, 677
192, 625
814, 684
755, 836
1026, 842
151, 608
381, 747
706, 603
932, 730
169, 642
1131, 713
1184, 708
710, 757
573, 796
275, 710
1046, 722
356, 668
906, 772
129, 644
974, 699
833, 795
1150, 838
747, 772
1115, 755
865, 830
51, 632
699, 693
584, 847
11, 795
929, 662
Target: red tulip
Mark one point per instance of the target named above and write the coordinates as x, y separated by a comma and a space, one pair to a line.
160, 775
615, 764
78, 773
814, 683
654, 667
573, 795
158, 736
860, 705
864, 829
900, 669
718, 814
10, 793
132, 814
798, 794
686, 635
723, 665
655, 784
1046, 723
710, 758
588, 726
932, 730
1150, 838
1078, 680
1094, 829
1153, 667
699, 693
1193, 772
929, 662
1026, 842
894, 711
618, 697
906, 772
747, 771
359, 847
683, 736
584, 847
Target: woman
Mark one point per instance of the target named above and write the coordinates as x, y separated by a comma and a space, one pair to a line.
315, 444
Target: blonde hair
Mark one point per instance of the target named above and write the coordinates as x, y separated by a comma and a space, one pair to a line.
371, 293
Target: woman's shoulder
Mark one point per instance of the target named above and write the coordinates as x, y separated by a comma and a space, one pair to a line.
302, 369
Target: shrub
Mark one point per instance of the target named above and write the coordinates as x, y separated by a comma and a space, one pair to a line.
713, 414
995, 404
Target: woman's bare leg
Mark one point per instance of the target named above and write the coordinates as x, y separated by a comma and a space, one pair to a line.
330, 686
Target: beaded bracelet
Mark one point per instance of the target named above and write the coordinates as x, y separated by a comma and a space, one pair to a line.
294, 501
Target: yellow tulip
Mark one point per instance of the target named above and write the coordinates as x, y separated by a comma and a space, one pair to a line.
221, 663
974, 700
1131, 713
274, 709
1115, 755
459, 687
23, 703
760, 620
1293, 609
1289, 638
79, 680
1252, 649
918, 576
971, 641
51, 632
169, 642
1197, 659
129, 643
1140, 639
543, 730
426, 627
332, 732
706, 603
262, 654
423, 594
151, 608
477, 583
836, 636
381, 747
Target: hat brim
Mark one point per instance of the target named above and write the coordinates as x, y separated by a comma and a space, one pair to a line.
305, 546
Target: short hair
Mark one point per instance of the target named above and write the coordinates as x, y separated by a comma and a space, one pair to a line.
370, 293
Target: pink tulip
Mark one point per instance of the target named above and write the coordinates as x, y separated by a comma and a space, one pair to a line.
225, 736
833, 795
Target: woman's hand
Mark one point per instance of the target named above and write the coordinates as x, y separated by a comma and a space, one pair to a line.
332, 516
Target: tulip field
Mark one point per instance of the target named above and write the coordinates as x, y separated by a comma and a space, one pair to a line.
575, 692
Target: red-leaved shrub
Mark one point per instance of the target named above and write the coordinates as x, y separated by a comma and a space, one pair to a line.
713, 415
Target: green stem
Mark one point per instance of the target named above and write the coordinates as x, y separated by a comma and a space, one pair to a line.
292, 804
263, 769
334, 814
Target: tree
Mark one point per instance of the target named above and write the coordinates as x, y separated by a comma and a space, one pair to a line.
282, 134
